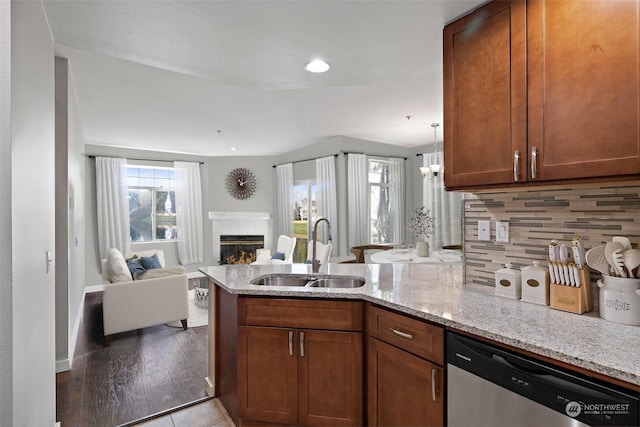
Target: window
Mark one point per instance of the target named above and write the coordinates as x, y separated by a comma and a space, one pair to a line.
304, 215
152, 203
379, 202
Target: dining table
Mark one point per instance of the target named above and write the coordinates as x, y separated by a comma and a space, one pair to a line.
409, 256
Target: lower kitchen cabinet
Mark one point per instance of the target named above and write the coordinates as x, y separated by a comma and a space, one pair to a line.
298, 376
304, 377
267, 375
405, 370
403, 389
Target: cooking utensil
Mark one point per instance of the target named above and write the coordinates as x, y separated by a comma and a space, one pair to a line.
596, 260
624, 241
553, 251
578, 251
609, 249
577, 256
564, 255
631, 260
554, 272
576, 274
618, 259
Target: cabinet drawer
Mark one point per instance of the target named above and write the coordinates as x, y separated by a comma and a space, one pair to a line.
416, 336
297, 313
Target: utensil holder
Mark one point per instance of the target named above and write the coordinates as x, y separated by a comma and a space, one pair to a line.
573, 299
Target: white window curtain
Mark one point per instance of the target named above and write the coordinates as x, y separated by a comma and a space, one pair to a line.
396, 195
357, 188
188, 190
445, 206
284, 221
113, 205
326, 197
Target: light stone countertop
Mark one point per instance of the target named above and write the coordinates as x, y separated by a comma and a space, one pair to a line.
436, 293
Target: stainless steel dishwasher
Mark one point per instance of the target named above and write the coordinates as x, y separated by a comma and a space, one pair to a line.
489, 386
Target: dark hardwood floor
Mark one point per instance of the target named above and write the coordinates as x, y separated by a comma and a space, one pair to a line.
142, 373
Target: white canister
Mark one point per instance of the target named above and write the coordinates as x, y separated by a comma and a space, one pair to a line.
619, 300
535, 284
509, 282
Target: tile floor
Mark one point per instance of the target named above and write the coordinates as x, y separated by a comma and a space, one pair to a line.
210, 413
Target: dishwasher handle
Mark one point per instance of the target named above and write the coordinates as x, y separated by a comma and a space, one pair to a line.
550, 379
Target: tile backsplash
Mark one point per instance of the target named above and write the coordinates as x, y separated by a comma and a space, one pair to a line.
535, 216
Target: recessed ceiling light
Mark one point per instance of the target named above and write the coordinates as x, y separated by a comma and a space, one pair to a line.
233, 149
317, 66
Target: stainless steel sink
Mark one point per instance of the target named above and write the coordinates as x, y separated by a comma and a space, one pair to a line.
338, 282
309, 281
280, 281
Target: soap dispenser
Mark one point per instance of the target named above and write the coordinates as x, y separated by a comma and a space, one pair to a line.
535, 284
509, 282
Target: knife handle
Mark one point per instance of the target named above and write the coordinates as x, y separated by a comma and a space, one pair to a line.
577, 256
552, 273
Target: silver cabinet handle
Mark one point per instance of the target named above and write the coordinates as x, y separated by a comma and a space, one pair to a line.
534, 162
434, 379
290, 343
301, 344
401, 334
516, 166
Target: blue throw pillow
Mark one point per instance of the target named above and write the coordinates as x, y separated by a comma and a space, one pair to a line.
150, 262
278, 255
135, 267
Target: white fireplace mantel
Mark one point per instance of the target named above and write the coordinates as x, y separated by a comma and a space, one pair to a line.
241, 224
239, 215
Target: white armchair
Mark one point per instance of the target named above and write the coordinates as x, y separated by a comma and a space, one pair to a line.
323, 252
286, 246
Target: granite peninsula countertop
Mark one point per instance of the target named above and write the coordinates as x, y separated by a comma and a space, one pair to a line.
436, 293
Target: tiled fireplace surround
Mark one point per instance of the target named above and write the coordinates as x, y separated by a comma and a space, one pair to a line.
596, 213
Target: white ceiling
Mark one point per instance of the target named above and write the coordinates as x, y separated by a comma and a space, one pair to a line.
168, 75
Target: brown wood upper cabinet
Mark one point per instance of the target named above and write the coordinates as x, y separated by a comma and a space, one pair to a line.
542, 92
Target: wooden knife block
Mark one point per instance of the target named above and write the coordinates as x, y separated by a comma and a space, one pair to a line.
573, 299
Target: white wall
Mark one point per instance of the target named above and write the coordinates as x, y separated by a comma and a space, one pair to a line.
33, 398
219, 199
6, 279
69, 216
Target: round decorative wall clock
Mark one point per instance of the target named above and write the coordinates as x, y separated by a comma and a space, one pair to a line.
241, 183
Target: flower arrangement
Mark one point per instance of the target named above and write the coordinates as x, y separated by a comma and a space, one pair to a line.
421, 223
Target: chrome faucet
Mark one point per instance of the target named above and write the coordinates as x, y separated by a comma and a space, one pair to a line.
315, 264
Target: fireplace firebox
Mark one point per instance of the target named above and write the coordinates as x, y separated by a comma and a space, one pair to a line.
239, 249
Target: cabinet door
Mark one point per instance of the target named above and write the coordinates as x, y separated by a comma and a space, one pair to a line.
267, 374
403, 389
584, 88
330, 372
485, 115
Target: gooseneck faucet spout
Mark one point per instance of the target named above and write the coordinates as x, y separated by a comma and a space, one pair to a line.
315, 264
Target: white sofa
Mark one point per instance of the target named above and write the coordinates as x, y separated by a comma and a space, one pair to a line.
128, 305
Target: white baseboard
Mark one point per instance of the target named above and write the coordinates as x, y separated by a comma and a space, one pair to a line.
93, 288
209, 387
65, 364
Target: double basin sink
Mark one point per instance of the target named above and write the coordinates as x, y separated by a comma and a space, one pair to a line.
309, 280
